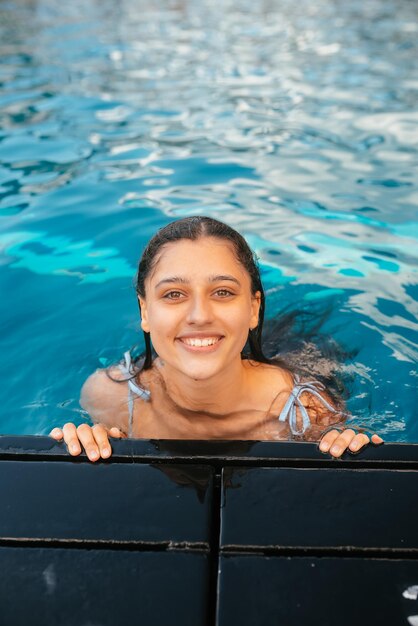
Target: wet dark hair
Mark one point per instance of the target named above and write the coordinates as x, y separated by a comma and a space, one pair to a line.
293, 340
194, 228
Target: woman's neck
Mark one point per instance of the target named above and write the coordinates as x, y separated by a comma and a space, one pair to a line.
216, 396
234, 405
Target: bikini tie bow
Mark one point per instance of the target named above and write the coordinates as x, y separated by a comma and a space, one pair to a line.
289, 411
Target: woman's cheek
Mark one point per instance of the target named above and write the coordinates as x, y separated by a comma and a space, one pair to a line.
158, 328
238, 322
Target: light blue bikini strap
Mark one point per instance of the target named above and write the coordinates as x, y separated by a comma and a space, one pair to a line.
127, 369
289, 411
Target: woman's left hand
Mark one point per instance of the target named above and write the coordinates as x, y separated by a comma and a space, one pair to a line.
336, 442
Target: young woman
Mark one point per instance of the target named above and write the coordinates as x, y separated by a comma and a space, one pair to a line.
204, 374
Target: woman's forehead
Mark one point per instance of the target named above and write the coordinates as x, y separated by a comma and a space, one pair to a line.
204, 256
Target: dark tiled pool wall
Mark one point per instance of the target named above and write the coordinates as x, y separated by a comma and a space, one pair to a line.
207, 533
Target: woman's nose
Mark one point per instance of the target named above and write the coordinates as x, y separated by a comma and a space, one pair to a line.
200, 311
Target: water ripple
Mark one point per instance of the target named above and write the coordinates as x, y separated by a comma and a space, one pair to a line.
296, 124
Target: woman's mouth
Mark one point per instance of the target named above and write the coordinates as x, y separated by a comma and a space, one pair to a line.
205, 344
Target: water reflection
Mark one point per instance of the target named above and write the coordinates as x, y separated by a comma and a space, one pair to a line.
294, 123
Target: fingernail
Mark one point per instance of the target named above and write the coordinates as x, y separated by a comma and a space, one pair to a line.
324, 446
354, 447
335, 450
105, 453
74, 448
93, 456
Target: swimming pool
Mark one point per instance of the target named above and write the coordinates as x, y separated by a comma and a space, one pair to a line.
296, 124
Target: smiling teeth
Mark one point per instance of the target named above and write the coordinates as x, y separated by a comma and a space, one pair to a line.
200, 343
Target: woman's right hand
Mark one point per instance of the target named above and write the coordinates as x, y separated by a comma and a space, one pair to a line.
94, 439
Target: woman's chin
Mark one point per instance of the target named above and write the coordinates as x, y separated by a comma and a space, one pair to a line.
201, 372
199, 367
201, 375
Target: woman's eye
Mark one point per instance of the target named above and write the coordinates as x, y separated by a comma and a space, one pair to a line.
223, 293
173, 295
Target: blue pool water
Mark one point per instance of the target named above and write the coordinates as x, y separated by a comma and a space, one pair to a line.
294, 122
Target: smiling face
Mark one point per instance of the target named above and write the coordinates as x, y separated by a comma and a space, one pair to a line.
199, 307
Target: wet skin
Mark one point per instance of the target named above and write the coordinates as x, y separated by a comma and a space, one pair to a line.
198, 310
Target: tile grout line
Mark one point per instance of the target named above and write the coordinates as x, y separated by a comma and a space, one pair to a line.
214, 550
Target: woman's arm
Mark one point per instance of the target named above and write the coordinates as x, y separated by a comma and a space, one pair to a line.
337, 440
106, 402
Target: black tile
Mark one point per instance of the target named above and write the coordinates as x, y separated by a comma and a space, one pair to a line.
320, 508
121, 502
71, 587
280, 591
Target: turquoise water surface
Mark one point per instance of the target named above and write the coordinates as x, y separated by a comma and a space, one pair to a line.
294, 122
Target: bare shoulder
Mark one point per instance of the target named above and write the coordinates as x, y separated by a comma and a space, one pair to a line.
321, 410
273, 384
104, 397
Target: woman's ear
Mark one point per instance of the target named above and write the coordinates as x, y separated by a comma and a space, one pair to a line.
144, 314
255, 309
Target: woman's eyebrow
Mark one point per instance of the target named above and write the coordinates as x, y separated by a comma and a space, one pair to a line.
185, 281
222, 277
172, 279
